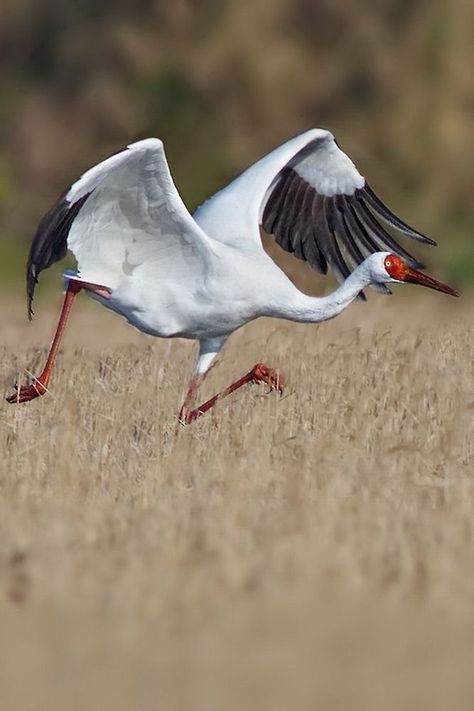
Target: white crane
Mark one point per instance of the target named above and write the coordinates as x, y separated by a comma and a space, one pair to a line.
140, 253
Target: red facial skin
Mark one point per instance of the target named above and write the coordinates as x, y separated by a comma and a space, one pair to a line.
395, 267
399, 270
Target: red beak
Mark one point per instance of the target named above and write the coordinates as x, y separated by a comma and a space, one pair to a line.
412, 276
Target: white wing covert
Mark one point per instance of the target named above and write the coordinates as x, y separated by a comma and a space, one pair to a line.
120, 214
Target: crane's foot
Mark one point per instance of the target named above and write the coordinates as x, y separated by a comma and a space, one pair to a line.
262, 373
25, 393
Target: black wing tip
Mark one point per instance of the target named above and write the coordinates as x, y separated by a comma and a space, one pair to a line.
420, 237
49, 243
379, 237
368, 194
429, 241
31, 282
315, 229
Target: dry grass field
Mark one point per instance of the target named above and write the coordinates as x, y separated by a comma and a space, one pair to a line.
314, 551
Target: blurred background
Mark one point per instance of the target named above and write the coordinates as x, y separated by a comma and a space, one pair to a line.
223, 82
309, 552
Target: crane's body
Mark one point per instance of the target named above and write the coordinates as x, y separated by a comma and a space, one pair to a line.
170, 274
209, 304
218, 305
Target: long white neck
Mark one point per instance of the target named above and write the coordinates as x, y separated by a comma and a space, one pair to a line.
308, 309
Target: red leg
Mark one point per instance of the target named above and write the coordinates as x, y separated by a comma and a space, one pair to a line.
260, 373
39, 386
186, 410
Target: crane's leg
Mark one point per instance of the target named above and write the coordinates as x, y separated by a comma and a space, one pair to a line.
260, 373
39, 386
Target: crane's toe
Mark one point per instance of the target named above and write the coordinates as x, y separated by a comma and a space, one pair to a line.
25, 393
262, 373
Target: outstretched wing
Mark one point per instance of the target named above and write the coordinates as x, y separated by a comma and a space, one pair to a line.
121, 213
310, 196
323, 210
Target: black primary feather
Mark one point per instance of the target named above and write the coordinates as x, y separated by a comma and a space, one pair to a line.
49, 243
386, 214
330, 230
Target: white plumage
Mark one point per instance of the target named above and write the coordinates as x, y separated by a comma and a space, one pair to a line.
141, 254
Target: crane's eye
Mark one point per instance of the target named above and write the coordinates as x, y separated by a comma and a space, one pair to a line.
388, 263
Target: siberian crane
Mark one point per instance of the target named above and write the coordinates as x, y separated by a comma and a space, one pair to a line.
140, 253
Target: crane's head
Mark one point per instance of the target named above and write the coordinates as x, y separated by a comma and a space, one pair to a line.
386, 267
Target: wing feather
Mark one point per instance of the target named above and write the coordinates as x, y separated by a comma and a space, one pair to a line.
122, 213
320, 208
273, 208
49, 243
379, 235
383, 211
356, 250
333, 252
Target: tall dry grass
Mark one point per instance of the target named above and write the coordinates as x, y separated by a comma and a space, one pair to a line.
312, 552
